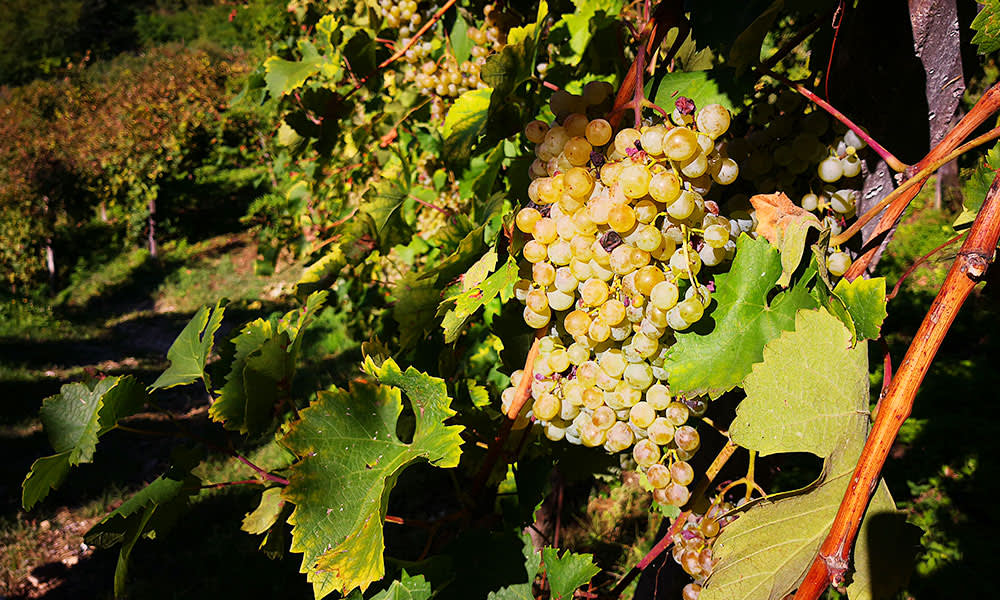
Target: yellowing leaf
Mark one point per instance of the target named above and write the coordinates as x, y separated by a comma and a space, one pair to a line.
465, 120
809, 388
785, 225
350, 459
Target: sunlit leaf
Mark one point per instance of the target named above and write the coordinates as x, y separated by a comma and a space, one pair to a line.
189, 352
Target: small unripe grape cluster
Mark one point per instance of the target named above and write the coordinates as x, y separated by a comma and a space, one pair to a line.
431, 66
618, 233
692, 545
796, 149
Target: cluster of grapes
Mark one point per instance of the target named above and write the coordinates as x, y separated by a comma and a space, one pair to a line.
619, 231
692, 545
432, 218
798, 150
431, 67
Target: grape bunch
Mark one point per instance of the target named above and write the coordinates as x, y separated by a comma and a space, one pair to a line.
692, 544
800, 151
619, 231
430, 65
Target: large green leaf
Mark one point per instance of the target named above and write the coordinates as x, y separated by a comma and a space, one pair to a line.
589, 16
809, 389
567, 572
975, 185
865, 302
465, 305
715, 362
189, 352
283, 76
350, 459
465, 121
74, 419
987, 27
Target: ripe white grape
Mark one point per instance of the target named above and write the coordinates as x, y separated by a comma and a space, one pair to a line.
830, 169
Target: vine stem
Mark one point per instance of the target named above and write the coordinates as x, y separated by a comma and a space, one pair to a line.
267, 476
984, 108
667, 540
893, 162
920, 261
907, 188
667, 14
520, 398
968, 269
791, 44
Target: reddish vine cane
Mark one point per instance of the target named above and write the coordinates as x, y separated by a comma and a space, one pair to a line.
968, 269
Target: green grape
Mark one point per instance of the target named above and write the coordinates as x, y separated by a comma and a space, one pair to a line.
658, 475
676, 413
658, 396
838, 263
713, 120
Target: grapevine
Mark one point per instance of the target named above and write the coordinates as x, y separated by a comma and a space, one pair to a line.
546, 250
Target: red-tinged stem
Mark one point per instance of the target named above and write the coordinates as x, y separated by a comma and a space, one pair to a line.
987, 105
222, 484
968, 269
893, 162
521, 396
416, 36
258, 470
667, 14
920, 261
838, 18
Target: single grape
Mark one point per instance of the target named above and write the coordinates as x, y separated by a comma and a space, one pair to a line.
645, 453
681, 473
838, 263
830, 169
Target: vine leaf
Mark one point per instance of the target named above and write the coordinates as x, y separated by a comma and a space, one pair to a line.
811, 386
189, 352
262, 369
466, 119
406, 588
153, 509
975, 186
580, 26
567, 572
716, 362
699, 86
283, 76
266, 513
350, 459
460, 309
515, 64
865, 302
74, 419
522, 591
987, 27
765, 553
745, 51
785, 225
356, 240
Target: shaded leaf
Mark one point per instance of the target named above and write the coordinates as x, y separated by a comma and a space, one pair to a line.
357, 240
262, 370
567, 572
699, 86
350, 459
811, 386
884, 550
74, 419
715, 362
745, 51
589, 16
151, 510
532, 563
461, 44
765, 553
189, 352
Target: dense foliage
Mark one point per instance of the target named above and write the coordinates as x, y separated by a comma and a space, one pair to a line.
560, 261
